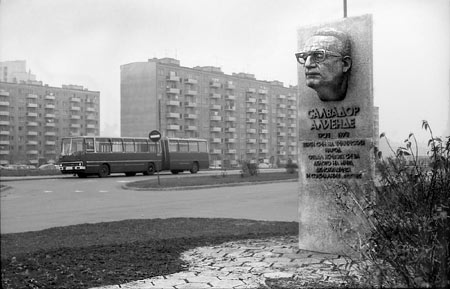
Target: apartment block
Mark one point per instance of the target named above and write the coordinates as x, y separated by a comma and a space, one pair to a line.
34, 117
243, 118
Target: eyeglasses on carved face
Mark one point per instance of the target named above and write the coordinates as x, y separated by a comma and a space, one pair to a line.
317, 56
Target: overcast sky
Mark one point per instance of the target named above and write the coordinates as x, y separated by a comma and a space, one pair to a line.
84, 42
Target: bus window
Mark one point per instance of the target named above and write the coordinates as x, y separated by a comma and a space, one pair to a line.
183, 146
128, 145
102, 145
65, 146
202, 147
193, 146
141, 145
153, 147
89, 142
173, 146
117, 145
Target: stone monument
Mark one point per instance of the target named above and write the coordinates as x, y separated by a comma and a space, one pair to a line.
335, 122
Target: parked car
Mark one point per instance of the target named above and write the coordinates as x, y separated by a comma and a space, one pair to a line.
49, 167
264, 166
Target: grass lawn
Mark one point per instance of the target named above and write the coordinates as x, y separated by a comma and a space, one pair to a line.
218, 179
89, 255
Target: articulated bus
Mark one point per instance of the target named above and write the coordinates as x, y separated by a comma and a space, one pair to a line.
89, 155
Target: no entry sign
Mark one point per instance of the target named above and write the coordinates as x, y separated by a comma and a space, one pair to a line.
154, 135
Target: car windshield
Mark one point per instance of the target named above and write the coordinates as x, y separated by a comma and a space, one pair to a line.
71, 146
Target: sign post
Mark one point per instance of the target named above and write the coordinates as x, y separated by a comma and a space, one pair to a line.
155, 136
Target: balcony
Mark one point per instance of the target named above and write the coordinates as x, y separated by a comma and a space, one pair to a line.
230, 107
216, 140
190, 128
91, 126
214, 84
293, 134
216, 151
281, 134
190, 116
230, 118
49, 97
191, 81
216, 129
251, 131
291, 116
231, 151
263, 111
263, 101
264, 121
90, 109
32, 96
4, 122
4, 132
4, 103
32, 133
292, 97
32, 142
281, 124
264, 131
191, 92
281, 115
230, 140
173, 115
4, 113
230, 129
74, 116
173, 103
4, 93
215, 95
190, 104
250, 100
91, 117
250, 120
173, 78
173, 91
4, 152
75, 125
47, 115
292, 125
75, 108
263, 151
230, 86
173, 127
4, 142
75, 99
264, 140
281, 96
262, 91
251, 140
230, 97
293, 107
251, 151
216, 107
50, 106
32, 105
32, 152
32, 123
216, 118
251, 110
251, 90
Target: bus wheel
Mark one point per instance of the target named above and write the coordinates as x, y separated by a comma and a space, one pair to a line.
150, 170
130, 174
174, 172
103, 171
81, 175
194, 168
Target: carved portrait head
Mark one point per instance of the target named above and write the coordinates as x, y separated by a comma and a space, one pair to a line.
326, 57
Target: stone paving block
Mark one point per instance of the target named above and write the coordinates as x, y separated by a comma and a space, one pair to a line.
202, 279
306, 261
277, 275
227, 283
168, 283
193, 286
257, 264
278, 260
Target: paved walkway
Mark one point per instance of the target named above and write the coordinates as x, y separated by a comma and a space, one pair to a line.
251, 264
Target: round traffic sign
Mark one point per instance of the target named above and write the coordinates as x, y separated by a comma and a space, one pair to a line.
154, 135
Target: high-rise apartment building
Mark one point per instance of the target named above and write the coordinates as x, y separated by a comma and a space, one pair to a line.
242, 117
33, 118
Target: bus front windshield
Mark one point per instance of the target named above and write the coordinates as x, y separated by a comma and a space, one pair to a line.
71, 146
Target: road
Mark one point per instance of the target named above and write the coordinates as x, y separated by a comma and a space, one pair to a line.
39, 204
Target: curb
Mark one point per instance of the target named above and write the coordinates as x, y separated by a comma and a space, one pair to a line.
130, 187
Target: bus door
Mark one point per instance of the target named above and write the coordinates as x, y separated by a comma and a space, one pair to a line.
165, 158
